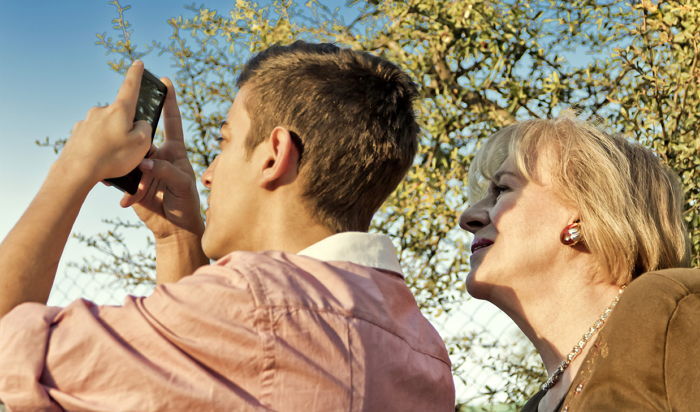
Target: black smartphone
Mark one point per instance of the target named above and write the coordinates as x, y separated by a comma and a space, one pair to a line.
151, 99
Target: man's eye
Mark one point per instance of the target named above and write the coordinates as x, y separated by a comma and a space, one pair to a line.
219, 141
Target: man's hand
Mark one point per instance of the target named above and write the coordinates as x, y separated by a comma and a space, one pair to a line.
167, 200
106, 144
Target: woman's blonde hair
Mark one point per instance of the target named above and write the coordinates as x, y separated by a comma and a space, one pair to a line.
630, 203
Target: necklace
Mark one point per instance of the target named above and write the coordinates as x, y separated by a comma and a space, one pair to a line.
552, 380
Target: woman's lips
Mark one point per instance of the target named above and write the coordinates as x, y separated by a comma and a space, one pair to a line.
480, 244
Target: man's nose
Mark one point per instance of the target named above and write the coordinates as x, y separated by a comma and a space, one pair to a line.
208, 175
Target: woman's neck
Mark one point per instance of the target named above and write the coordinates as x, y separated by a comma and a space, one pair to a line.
556, 315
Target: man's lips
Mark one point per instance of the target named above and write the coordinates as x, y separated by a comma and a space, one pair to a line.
480, 244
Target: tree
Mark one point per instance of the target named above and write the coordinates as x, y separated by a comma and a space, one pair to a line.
481, 65
659, 94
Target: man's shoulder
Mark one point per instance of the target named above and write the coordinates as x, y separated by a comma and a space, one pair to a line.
284, 279
285, 283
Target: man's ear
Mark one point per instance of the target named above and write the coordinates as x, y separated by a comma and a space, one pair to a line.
280, 165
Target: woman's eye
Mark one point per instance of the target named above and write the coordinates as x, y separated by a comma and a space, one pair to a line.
498, 189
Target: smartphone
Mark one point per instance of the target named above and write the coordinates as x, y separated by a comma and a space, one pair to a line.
151, 99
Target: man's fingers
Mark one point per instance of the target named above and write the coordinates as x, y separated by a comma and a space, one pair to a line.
177, 181
157, 172
128, 200
144, 190
171, 114
141, 136
76, 125
160, 169
129, 91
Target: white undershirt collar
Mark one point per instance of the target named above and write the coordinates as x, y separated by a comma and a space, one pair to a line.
366, 249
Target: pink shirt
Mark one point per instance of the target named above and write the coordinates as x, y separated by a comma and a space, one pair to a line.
252, 331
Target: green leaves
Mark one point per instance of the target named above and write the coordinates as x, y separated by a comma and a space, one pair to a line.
481, 65
659, 96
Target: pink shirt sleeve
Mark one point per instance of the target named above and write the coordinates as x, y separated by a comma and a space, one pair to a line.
254, 331
163, 352
24, 334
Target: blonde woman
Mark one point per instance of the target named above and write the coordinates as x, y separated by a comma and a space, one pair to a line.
575, 234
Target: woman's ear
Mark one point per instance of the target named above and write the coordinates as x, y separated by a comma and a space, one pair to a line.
281, 161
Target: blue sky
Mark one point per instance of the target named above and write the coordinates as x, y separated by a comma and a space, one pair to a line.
51, 74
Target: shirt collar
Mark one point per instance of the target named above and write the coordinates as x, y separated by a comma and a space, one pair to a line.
366, 249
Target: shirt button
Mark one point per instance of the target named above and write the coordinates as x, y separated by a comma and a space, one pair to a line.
565, 408
579, 388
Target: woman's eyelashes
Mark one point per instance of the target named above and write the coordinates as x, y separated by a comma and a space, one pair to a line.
498, 189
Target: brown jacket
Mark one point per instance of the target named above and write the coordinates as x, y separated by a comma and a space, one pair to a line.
647, 357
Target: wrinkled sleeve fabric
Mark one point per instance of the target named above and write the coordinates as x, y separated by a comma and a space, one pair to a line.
24, 334
682, 355
171, 350
255, 331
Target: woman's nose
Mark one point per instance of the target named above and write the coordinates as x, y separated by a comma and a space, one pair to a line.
474, 217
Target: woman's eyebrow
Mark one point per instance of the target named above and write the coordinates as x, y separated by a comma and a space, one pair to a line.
497, 176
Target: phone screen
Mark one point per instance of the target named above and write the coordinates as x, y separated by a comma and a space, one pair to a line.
150, 103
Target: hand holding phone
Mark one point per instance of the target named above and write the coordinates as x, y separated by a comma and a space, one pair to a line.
167, 199
152, 95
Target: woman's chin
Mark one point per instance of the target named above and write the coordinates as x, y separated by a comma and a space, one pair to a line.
476, 288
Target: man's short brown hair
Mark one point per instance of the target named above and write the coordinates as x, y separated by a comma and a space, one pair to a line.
353, 114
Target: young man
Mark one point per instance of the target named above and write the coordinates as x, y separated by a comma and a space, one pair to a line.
302, 310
